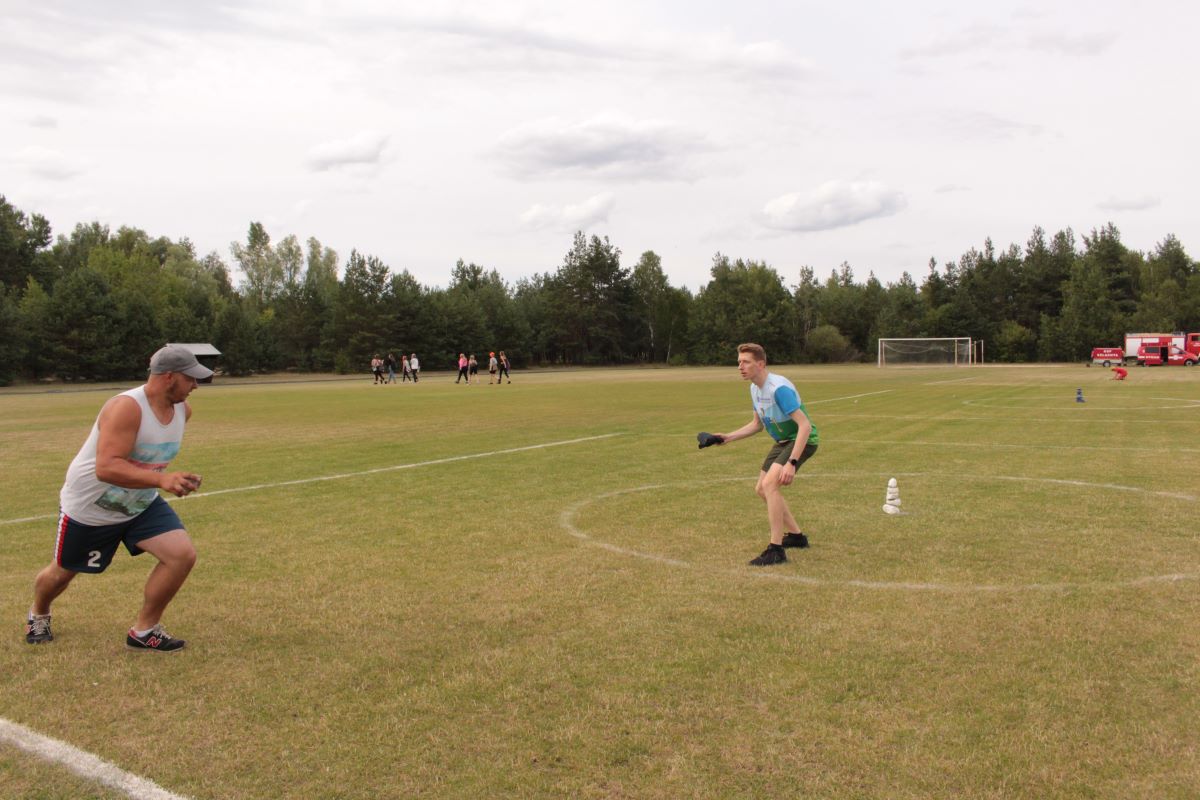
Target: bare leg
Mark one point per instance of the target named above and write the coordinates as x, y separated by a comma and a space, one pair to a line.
176, 556
778, 513
49, 584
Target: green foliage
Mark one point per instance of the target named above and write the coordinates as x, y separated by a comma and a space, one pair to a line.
591, 299
12, 345
235, 334
745, 301
35, 313
85, 328
1014, 343
827, 345
22, 238
296, 308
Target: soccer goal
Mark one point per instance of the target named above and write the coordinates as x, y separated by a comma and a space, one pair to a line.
957, 351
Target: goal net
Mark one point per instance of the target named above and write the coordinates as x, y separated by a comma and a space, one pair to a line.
956, 351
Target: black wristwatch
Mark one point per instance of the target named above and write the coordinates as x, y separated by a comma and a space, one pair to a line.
795, 462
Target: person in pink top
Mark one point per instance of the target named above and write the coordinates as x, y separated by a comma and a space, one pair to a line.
462, 369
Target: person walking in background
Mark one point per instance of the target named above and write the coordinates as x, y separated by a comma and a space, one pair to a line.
415, 366
377, 368
405, 368
472, 367
503, 368
462, 369
390, 363
492, 365
110, 497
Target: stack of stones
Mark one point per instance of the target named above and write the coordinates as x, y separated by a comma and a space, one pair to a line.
891, 504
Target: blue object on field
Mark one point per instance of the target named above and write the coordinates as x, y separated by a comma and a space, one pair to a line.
1079, 396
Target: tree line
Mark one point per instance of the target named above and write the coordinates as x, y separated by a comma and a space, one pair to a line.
93, 303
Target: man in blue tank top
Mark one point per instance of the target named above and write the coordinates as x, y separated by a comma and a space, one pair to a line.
779, 410
110, 497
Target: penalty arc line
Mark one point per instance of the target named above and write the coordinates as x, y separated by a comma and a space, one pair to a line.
82, 763
568, 516
344, 475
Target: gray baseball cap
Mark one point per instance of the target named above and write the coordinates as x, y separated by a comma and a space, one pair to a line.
174, 358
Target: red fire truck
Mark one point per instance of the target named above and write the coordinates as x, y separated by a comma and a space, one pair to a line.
1161, 349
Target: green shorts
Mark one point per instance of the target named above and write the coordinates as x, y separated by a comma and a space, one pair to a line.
781, 453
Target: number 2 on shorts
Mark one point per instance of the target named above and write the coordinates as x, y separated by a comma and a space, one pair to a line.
93, 558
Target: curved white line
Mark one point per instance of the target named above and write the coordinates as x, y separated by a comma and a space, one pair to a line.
82, 763
567, 523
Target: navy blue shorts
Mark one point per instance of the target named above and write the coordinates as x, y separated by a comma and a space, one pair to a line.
90, 548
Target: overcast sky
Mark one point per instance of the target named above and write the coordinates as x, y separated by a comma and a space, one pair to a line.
797, 133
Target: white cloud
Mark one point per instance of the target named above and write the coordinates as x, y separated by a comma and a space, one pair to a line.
602, 147
968, 124
47, 163
503, 37
1086, 44
1142, 203
834, 204
572, 216
1030, 33
43, 121
366, 148
968, 40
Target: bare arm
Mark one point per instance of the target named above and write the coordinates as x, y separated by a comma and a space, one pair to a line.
749, 429
118, 423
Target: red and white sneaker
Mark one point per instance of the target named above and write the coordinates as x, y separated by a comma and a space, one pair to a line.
155, 639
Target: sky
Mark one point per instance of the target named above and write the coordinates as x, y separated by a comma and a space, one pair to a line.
800, 134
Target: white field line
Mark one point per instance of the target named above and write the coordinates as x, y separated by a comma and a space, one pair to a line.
1021, 420
848, 397
1002, 446
82, 763
343, 475
956, 380
1074, 408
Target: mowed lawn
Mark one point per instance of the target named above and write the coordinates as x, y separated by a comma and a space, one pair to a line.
503, 615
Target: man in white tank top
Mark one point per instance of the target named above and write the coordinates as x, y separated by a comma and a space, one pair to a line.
110, 497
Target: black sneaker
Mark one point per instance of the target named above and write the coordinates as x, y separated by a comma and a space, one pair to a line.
37, 629
155, 639
772, 555
795, 540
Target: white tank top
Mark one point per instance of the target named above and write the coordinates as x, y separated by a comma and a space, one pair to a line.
86, 499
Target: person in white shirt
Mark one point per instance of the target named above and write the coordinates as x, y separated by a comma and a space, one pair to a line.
110, 497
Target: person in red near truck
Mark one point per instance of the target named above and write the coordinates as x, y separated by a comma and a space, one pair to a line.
1119, 373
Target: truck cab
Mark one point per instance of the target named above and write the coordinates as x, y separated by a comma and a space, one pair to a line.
1165, 353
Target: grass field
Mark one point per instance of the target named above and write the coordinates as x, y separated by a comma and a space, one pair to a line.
578, 620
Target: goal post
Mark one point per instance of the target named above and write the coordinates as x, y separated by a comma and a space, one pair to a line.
954, 351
